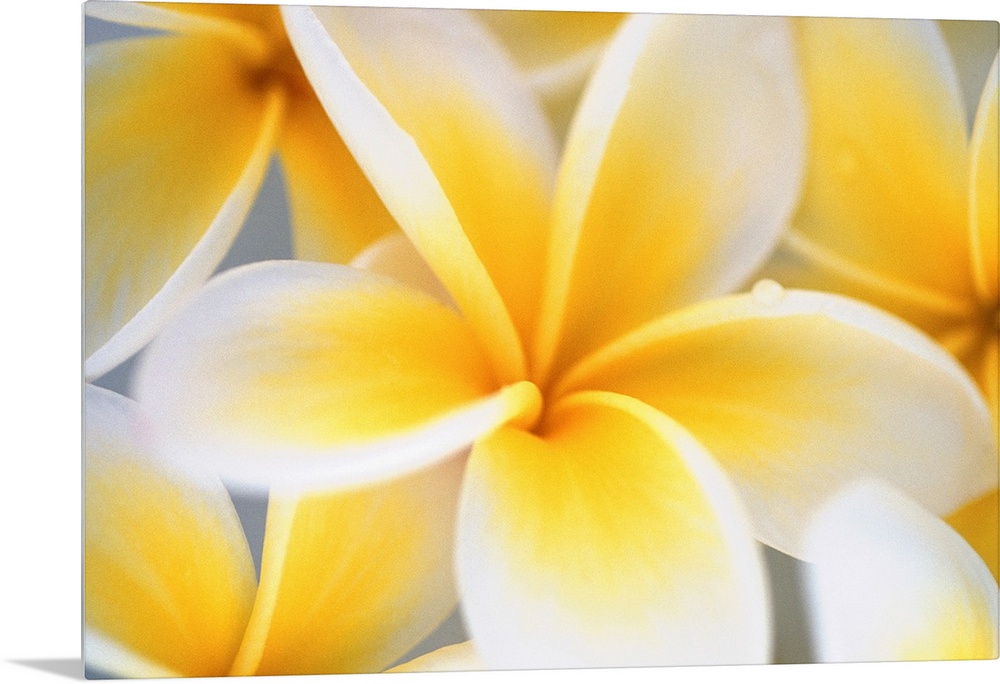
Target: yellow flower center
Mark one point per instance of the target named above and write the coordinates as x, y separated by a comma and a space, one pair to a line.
270, 60
280, 68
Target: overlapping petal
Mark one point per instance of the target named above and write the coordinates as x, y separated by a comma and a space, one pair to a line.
797, 393
318, 374
454, 144
460, 657
887, 162
606, 537
989, 377
183, 18
351, 581
889, 581
972, 44
168, 578
396, 257
556, 51
979, 524
175, 151
335, 212
984, 193
679, 172
547, 41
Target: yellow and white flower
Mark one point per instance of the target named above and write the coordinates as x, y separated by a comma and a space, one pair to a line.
348, 582
608, 394
179, 129
900, 204
889, 581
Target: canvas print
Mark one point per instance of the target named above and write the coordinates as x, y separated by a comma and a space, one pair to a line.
426, 339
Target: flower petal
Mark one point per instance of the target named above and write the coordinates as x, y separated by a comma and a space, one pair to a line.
807, 264
176, 145
318, 375
797, 393
983, 198
335, 212
887, 179
889, 581
555, 50
179, 18
350, 582
609, 539
979, 524
680, 171
989, 378
452, 142
168, 578
454, 658
544, 40
451, 87
396, 257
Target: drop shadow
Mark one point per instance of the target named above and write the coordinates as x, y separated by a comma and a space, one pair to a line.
71, 668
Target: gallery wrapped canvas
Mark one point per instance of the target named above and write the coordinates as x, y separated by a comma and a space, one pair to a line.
422, 339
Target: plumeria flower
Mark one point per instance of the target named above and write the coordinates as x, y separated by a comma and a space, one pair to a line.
348, 583
179, 129
890, 581
900, 205
610, 397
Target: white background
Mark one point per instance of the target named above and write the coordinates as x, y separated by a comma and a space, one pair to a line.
40, 481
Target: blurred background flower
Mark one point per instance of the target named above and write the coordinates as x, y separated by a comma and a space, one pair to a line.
889, 581
348, 582
900, 200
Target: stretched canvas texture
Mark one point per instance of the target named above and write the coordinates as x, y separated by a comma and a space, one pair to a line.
463, 340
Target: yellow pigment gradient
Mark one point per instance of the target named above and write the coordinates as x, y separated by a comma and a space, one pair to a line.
887, 154
136, 232
594, 486
983, 193
167, 573
384, 585
953, 637
333, 342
